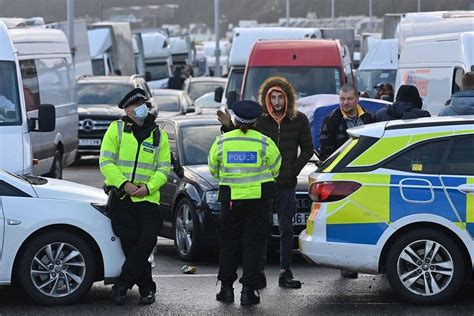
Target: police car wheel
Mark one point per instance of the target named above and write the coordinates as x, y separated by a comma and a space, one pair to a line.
186, 227
56, 268
425, 266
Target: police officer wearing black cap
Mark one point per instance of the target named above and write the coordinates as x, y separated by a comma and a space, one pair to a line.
135, 160
246, 164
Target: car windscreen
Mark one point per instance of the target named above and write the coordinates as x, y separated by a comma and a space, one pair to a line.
101, 93
198, 89
167, 102
197, 141
158, 70
367, 79
306, 80
10, 111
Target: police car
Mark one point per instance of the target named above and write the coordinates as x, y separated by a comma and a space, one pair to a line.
398, 198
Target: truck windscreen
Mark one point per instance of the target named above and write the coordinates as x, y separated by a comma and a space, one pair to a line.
10, 111
306, 80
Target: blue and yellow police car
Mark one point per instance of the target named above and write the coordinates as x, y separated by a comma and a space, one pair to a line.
398, 198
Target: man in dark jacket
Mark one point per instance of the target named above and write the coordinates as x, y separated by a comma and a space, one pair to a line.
462, 102
290, 130
349, 114
407, 105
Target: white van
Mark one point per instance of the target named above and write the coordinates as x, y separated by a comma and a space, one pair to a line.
157, 52
242, 42
435, 65
16, 153
48, 78
378, 66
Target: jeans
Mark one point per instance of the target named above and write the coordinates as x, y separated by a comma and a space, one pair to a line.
286, 209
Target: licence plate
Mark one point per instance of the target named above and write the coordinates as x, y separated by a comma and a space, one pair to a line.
298, 219
89, 142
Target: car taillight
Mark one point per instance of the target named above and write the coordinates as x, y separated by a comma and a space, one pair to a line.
330, 191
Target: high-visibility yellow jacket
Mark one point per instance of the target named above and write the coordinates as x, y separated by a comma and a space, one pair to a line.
243, 161
121, 159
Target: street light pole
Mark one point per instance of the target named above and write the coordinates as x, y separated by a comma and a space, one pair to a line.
70, 21
333, 10
370, 15
419, 5
217, 70
287, 12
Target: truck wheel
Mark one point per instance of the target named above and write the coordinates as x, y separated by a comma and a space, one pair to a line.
186, 228
57, 167
425, 266
57, 268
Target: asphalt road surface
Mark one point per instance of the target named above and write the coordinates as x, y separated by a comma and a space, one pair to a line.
323, 291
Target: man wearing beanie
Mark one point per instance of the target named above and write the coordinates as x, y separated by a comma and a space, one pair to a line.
407, 105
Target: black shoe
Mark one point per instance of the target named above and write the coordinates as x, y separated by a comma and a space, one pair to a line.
286, 280
348, 274
248, 296
119, 293
147, 299
226, 294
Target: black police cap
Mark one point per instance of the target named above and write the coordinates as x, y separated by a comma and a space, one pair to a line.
132, 97
247, 111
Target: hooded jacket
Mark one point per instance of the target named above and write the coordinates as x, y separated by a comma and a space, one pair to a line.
291, 133
403, 110
462, 103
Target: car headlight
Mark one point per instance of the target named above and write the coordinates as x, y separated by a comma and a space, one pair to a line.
211, 197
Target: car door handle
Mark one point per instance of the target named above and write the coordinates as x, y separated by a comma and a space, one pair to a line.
466, 188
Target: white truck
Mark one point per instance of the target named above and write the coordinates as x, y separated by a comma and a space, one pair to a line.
435, 64
16, 153
181, 50
157, 53
242, 43
378, 66
111, 49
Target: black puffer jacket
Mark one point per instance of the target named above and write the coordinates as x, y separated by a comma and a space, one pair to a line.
293, 132
333, 131
400, 110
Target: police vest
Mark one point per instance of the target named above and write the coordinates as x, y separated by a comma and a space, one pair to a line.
243, 161
123, 159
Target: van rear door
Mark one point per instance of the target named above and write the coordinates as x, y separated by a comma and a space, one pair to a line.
15, 150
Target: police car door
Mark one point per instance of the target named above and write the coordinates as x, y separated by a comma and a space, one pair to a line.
458, 179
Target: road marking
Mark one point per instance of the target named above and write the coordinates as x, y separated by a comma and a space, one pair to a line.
183, 275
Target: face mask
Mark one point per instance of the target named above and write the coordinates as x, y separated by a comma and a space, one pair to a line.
141, 112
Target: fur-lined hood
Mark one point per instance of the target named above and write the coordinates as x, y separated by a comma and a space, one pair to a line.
289, 91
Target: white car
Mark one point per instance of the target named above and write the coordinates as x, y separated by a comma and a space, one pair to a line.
55, 238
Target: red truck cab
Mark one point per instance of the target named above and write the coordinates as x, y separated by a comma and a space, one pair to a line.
312, 66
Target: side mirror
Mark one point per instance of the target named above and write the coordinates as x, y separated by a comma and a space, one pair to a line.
46, 119
190, 109
218, 93
147, 76
232, 97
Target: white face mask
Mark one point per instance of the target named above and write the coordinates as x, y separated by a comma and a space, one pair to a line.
141, 112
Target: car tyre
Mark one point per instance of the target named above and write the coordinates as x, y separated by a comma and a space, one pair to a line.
57, 167
186, 230
57, 268
425, 266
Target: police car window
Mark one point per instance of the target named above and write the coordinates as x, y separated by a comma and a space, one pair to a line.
461, 157
8, 190
424, 158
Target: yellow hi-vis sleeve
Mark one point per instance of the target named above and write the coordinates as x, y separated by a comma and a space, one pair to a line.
108, 157
273, 158
160, 177
213, 159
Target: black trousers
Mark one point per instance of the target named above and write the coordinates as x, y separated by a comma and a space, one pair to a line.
137, 225
244, 228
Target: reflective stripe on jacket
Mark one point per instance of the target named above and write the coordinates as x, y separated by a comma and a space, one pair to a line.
243, 162
121, 160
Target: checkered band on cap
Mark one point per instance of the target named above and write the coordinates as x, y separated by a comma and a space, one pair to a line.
244, 121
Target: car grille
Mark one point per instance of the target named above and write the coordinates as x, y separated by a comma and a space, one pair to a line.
88, 125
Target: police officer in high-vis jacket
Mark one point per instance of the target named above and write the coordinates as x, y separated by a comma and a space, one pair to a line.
246, 163
135, 160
